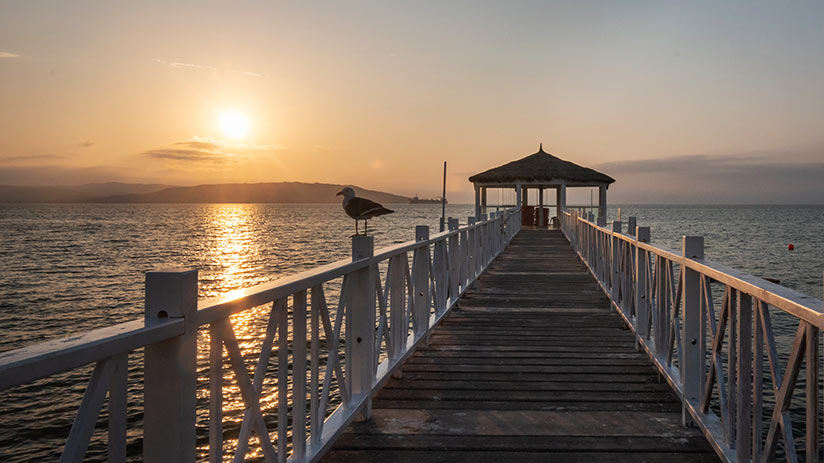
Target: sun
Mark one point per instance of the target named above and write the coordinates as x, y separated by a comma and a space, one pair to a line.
233, 124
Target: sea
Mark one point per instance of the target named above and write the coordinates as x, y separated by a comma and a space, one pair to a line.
70, 268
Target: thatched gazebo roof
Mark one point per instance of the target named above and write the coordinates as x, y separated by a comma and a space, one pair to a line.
542, 167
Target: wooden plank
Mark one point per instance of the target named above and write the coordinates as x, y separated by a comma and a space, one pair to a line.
355, 441
449, 456
534, 423
516, 385
528, 406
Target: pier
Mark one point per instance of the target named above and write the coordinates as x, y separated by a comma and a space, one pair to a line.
531, 365
498, 338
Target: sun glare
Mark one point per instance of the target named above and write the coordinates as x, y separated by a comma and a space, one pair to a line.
234, 124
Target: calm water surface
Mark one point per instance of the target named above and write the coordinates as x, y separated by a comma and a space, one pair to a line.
71, 268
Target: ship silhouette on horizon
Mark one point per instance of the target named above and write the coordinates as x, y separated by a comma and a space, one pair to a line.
418, 200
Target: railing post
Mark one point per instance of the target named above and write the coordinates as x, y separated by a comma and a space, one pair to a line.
398, 319
420, 278
465, 257
474, 259
454, 261
170, 369
483, 242
360, 326
743, 396
692, 367
642, 305
632, 223
615, 278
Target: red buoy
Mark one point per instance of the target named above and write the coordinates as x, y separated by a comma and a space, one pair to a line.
790, 247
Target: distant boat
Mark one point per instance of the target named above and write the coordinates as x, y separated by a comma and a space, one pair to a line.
417, 200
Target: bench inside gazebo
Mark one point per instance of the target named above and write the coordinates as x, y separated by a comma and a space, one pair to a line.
540, 171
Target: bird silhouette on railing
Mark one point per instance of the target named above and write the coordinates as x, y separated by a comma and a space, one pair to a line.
361, 208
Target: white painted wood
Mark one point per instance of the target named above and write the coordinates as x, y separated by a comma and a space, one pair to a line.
396, 276
24, 365
465, 259
615, 263
360, 326
779, 423
811, 396
298, 377
439, 276
261, 369
83, 426
758, 383
333, 364
716, 370
118, 399
251, 398
455, 261
732, 364
642, 303
692, 367
170, 370
420, 280
316, 414
382, 335
221, 307
283, 382
215, 395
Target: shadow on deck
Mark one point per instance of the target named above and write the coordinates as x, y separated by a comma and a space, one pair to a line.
532, 365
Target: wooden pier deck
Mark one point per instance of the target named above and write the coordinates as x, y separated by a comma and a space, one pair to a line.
533, 365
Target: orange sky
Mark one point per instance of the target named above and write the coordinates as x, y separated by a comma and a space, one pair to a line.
378, 94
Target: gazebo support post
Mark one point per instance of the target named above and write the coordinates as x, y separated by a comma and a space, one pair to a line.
477, 200
540, 206
561, 199
518, 195
483, 200
602, 201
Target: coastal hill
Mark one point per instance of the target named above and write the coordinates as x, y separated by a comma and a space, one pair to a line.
282, 192
72, 194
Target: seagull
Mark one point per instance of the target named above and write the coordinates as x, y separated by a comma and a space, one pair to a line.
361, 208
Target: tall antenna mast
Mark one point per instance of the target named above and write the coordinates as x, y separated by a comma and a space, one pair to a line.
443, 198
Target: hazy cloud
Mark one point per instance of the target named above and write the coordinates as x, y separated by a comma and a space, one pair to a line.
756, 177
179, 65
193, 155
31, 157
205, 151
86, 144
182, 65
199, 145
6, 54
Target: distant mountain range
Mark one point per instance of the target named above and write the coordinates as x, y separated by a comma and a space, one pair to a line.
281, 192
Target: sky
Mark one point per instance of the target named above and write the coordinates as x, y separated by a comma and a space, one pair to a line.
682, 102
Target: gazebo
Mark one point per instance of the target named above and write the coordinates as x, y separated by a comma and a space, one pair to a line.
540, 171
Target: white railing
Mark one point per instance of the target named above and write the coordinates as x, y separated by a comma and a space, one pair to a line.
714, 359
324, 354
